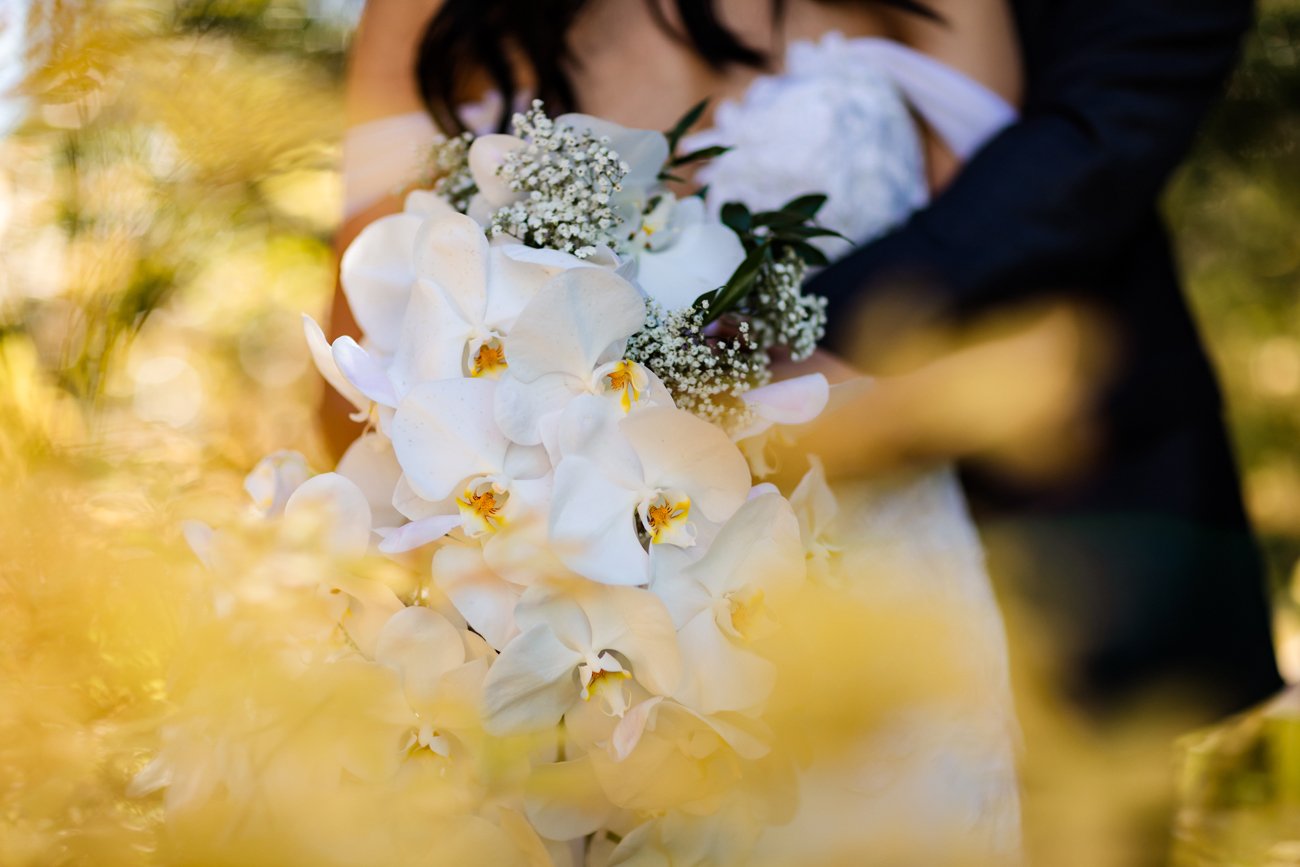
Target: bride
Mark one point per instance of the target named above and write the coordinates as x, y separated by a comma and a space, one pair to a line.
875, 104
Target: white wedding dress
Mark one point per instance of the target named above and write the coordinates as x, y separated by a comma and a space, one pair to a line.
840, 119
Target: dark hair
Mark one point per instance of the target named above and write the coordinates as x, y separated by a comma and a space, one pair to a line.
492, 36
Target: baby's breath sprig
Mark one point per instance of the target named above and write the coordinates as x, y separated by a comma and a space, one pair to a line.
448, 170
706, 371
767, 288
568, 178
781, 313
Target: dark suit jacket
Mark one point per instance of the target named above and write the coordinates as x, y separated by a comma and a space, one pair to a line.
1149, 558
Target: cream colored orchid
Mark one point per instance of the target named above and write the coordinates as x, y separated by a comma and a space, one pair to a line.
570, 341
665, 756
722, 603
817, 509
580, 642
441, 674
274, 479
786, 403
371, 464
625, 489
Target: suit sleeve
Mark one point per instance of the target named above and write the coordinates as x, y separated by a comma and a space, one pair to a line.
1117, 90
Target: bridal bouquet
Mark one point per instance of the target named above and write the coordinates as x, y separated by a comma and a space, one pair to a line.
564, 375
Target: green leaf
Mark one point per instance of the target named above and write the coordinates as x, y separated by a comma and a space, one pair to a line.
810, 254
799, 233
666, 176
778, 219
699, 155
739, 284
737, 217
805, 206
684, 125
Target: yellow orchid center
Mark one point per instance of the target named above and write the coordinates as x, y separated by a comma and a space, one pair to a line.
489, 360
625, 378
666, 519
604, 678
481, 507
747, 614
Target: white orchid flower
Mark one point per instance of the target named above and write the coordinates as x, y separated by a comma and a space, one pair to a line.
441, 682
789, 402
666, 756
274, 479
680, 838
643, 482
334, 512
681, 253
722, 603
485, 599
580, 642
468, 296
817, 509
377, 273
455, 458
371, 464
334, 508
322, 356
570, 341
461, 296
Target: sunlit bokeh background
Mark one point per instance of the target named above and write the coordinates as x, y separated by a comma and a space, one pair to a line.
168, 188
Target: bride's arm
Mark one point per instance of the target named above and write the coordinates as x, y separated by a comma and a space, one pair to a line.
380, 83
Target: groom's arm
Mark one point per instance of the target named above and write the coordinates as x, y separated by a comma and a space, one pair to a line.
1117, 91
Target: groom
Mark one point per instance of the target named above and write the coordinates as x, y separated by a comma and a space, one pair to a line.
1148, 562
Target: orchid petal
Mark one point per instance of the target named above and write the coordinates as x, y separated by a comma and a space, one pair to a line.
433, 340
679, 451
421, 646
323, 358
452, 253
486, 601
530, 685
636, 624
721, 676
377, 271
444, 433
702, 259
486, 156
417, 534
564, 800
759, 547
340, 506
371, 465
521, 407
790, 401
573, 323
427, 204
592, 524
368, 375
274, 479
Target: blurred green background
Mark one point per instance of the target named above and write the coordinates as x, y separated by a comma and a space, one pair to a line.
1235, 211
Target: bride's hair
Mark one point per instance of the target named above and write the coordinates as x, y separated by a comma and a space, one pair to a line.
494, 37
